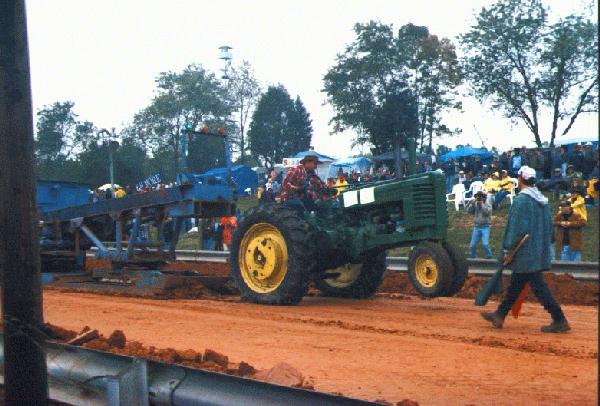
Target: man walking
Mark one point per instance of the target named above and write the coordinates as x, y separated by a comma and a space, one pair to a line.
529, 214
481, 224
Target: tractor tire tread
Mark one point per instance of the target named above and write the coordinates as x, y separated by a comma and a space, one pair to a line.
444, 265
365, 285
301, 255
461, 267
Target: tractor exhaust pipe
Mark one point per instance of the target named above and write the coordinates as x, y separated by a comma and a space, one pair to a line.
412, 155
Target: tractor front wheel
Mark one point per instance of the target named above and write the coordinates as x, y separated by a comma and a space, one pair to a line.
358, 281
430, 269
272, 256
461, 267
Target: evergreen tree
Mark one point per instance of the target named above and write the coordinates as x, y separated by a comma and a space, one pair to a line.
280, 128
300, 126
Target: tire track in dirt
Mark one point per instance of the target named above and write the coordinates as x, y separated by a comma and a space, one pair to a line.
485, 341
526, 345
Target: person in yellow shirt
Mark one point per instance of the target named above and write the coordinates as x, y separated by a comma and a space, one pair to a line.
505, 184
341, 184
120, 193
578, 203
490, 187
492, 184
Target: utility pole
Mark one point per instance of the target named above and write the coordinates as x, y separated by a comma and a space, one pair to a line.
108, 140
111, 165
25, 377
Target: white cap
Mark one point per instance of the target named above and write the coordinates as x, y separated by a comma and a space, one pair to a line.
526, 172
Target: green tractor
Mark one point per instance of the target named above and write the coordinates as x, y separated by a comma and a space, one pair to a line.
278, 251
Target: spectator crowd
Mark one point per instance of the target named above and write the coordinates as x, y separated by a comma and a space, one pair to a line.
570, 177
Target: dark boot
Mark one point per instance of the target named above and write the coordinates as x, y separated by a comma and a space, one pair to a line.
557, 327
494, 318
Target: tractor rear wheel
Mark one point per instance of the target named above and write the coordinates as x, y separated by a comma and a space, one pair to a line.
430, 269
272, 256
358, 281
461, 267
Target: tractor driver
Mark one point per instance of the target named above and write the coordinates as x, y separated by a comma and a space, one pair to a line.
302, 186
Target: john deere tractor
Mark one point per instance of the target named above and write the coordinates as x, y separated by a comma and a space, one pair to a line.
340, 246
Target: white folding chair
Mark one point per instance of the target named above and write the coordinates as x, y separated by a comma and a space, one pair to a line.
457, 196
473, 188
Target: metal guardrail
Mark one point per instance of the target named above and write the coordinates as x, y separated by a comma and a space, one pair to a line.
81, 376
202, 255
486, 267
477, 266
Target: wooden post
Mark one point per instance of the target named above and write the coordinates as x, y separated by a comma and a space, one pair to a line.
77, 241
24, 357
200, 226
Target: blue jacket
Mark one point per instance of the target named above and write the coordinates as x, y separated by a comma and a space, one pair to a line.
529, 214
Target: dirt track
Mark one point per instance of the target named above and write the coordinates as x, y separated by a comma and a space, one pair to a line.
392, 347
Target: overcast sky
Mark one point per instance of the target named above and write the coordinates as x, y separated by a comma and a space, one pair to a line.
104, 55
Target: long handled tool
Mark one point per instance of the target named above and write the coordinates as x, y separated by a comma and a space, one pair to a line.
494, 284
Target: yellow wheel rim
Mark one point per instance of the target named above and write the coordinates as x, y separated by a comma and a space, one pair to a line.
344, 276
426, 271
263, 258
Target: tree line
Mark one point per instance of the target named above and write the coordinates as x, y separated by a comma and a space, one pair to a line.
68, 148
391, 84
387, 85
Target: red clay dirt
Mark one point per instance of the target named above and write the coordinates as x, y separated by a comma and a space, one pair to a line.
391, 348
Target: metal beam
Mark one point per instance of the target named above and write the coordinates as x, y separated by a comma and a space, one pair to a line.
477, 266
83, 377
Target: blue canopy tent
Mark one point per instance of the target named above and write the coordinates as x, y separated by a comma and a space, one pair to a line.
243, 176
322, 158
466, 152
322, 169
359, 164
570, 143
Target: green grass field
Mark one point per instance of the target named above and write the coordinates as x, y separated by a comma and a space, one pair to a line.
459, 230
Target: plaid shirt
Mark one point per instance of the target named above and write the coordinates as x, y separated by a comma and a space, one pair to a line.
298, 183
